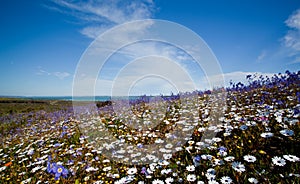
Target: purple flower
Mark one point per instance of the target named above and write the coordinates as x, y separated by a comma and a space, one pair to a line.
60, 171
57, 145
297, 111
62, 134
30, 152
78, 152
70, 162
65, 127
222, 149
196, 160
243, 127
144, 171
50, 167
57, 170
298, 96
139, 145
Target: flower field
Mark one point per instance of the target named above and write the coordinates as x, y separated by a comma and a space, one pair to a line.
252, 138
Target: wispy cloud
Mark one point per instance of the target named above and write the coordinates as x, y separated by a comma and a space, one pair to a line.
292, 38
42, 72
261, 56
146, 75
99, 16
60, 75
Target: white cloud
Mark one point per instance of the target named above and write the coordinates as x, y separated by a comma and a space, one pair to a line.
93, 31
99, 20
99, 16
292, 39
152, 49
261, 56
151, 75
42, 72
294, 20
60, 75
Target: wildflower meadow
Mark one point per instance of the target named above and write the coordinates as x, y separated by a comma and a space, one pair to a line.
255, 140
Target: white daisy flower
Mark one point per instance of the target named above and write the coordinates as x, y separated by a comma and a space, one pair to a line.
238, 166
216, 162
150, 157
287, 132
35, 169
157, 181
169, 146
278, 161
22, 173
106, 169
106, 161
217, 139
158, 141
252, 180
211, 171
267, 134
229, 159
191, 177
206, 157
190, 168
178, 149
163, 162
169, 180
90, 169
210, 176
291, 158
201, 129
167, 156
226, 180
249, 158
26, 181
166, 171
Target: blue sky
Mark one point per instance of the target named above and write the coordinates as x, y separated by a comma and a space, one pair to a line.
42, 41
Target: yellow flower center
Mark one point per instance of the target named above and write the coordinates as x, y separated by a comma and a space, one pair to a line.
59, 170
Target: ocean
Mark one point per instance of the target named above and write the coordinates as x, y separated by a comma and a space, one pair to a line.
77, 98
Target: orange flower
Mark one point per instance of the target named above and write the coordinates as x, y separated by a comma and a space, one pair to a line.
8, 164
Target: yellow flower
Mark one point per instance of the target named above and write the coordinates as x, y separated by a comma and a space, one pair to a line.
262, 152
